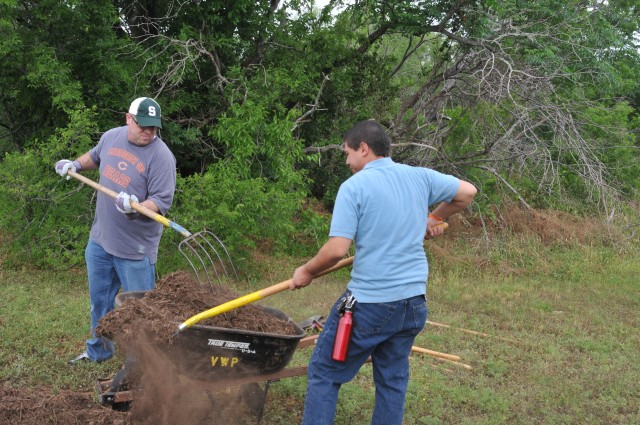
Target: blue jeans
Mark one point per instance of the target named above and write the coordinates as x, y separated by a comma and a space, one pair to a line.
106, 274
383, 331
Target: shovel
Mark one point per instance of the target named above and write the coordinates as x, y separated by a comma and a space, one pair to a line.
254, 296
258, 295
198, 248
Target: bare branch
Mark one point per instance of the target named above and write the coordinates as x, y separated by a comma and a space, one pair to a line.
318, 149
314, 107
506, 183
516, 119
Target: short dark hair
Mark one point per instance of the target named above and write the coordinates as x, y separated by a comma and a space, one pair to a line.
372, 134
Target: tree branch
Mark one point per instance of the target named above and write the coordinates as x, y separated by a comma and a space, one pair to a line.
314, 107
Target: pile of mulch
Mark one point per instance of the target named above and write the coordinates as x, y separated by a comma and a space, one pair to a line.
183, 405
178, 297
37, 406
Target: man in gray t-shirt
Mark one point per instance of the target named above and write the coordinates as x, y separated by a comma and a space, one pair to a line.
123, 245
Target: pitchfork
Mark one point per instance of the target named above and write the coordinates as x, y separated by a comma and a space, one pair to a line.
199, 249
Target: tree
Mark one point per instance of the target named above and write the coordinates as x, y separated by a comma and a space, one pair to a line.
534, 100
510, 89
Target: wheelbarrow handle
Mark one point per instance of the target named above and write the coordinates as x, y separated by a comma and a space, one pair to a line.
136, 206
254, 296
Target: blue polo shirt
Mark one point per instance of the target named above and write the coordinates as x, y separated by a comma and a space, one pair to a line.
383, 208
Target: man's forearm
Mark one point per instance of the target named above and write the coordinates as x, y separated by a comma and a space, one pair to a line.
86, 162
150, 205
328, 256
462, 199
446, 209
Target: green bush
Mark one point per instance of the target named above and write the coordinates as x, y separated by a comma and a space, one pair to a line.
44, 219
242, 212
253, 201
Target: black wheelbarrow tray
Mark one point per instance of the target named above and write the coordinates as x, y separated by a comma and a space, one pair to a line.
214, 353
221, 354
222, 357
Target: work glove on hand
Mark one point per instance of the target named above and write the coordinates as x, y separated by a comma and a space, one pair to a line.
123, 204
65, 165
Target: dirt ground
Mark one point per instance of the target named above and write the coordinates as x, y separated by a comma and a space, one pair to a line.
42, 406
144, 328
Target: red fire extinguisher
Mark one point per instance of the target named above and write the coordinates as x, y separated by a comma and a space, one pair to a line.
343, 334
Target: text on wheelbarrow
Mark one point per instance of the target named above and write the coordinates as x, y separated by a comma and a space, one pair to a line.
245, 347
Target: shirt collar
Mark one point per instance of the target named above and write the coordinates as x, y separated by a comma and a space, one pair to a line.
382, 162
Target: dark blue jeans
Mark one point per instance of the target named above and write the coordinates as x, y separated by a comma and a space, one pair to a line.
383, 331
106, 274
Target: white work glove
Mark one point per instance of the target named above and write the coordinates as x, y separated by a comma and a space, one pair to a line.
123, 204
65, 165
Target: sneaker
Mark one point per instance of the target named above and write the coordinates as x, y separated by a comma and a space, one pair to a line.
84, 357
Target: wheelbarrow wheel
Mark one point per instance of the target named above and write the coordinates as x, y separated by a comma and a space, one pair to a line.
123, 381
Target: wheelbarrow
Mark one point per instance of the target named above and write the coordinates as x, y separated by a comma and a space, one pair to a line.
210, 353
220, 358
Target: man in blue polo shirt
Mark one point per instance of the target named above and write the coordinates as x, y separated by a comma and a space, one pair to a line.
384, 209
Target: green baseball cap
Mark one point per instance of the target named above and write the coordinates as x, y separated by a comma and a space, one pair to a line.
146, 111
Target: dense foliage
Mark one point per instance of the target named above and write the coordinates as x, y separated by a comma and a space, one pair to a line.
536, 101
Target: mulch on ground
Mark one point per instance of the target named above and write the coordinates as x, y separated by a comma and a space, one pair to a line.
36, 406
161, 395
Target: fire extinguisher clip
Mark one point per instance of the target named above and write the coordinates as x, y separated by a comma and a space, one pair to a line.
351, 301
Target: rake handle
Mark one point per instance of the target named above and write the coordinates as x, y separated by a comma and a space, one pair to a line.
445, 356
438, 354
136, 206
469, 331
312, 339
254, 296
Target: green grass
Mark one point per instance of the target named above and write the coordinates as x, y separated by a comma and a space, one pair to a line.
572, 311
44, 319
575, 361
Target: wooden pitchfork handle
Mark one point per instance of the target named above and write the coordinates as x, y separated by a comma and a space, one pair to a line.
136, 206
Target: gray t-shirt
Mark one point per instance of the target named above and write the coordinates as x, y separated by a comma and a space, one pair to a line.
149, 172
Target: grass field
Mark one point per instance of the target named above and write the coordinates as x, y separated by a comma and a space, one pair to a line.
563, 347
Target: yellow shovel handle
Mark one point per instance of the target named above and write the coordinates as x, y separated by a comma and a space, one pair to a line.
254, 296
258, 295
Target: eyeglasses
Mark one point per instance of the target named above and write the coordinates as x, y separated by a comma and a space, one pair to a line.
150, 128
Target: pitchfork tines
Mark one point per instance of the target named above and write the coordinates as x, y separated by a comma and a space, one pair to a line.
208, 257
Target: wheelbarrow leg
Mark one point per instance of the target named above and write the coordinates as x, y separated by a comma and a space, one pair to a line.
264, 401
255, 397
